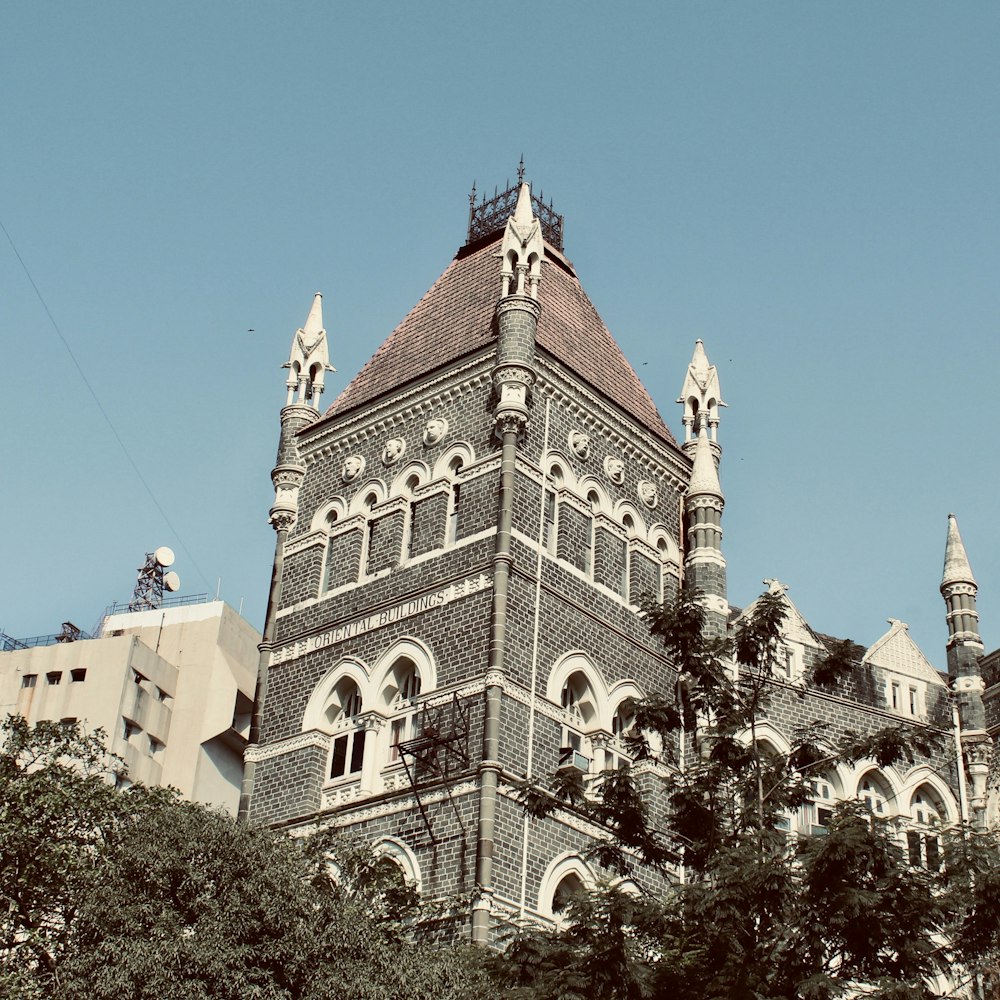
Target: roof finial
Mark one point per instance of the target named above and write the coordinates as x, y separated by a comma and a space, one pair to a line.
956, 562
520, 170
309, 359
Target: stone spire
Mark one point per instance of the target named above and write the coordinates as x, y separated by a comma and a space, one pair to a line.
309, 360
701, 395
965, 647
704, 474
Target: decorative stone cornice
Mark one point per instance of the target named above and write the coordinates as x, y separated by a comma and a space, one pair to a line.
291, 744
332, 436
315, 539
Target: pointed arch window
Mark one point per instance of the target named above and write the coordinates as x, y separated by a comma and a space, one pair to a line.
818, 811
927, 816
569, 890
619, 753
347, 748
578, 701
400, 693
874, 793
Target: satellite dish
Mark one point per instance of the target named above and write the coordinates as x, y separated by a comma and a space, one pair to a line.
171, 581
164, 556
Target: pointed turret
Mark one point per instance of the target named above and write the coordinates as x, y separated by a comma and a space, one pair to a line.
956, 562
523, 249
309, 360
308, 363
704, 564
704, 474
965, 647
701, 395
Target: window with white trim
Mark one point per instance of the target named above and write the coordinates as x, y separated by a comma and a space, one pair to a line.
622, 722
400, 693
331, 519
818, 811
906, 696
577, 699
454, 501
347, 747
927, 817
875, 794
411, 484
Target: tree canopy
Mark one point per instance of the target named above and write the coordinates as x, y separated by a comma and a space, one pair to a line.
106, 893
731, 905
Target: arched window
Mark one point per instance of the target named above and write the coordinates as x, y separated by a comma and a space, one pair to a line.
594, 501
550, 527
578, 700
874, 792
566, 879
347, 749
454, 500
818, 811
411, 537
568, 891
619, 753
927, 815
399, 695
330, 574
369, 502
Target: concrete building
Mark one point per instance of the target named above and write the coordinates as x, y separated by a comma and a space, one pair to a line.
462, 540
172, 688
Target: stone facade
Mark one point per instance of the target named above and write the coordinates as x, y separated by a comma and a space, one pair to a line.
379, 683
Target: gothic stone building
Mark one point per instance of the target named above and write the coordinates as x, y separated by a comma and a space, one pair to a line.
462, 541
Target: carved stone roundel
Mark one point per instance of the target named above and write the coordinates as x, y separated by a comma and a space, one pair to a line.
392, 451
353, 466
435, 430
614, 469
647, 492
579, 444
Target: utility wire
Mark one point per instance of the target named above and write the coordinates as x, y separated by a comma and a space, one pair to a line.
100, 407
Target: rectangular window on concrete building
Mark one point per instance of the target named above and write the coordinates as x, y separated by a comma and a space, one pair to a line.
78, 675
55, 677
29, 680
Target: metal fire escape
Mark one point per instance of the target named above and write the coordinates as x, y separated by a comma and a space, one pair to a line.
438, 754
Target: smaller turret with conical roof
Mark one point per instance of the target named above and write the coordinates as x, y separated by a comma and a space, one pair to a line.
965, 648
704, 564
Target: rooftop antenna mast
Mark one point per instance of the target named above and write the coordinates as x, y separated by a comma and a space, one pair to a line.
152, 581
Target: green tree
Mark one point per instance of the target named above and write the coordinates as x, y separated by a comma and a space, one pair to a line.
110, 894
757, 914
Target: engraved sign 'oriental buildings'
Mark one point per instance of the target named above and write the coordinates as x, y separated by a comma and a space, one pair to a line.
462, 540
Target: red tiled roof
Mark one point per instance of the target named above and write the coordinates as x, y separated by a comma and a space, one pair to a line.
455, 318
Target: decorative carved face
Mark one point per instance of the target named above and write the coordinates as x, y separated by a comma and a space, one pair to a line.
354, 465
579, 444
435, 430
647, 493
614, 469
393, 450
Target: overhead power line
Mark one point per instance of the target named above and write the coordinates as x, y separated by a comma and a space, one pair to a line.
100, 406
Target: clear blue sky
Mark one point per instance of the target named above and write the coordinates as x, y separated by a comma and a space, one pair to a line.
812, 189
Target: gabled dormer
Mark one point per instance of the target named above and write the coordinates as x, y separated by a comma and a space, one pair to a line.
907, 674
